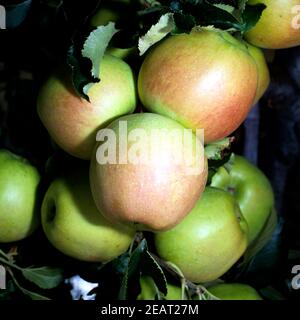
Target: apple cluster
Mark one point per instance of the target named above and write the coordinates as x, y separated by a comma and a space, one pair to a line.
206, 79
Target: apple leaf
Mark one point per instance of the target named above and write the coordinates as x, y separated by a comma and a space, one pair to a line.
251, 15
264, 236
94, 49
44, 277
242, 5
132, 268
152, 268
85, 61
217, 150
34, 295
184, 23
270, 293
156, 33
230, 9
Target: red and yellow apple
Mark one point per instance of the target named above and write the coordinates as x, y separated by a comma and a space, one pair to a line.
72, 121
279, 25
157, 190
205, 80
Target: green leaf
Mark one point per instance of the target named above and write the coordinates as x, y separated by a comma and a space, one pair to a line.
226, 7
216, 150
152, 268
94, 48
184, 23
156, 33
133, 268
44, 277
242, 5
251, 15
34, 295
271, 294
264, 236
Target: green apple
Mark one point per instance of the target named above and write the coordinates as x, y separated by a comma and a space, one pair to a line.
144, 184
19, 211
234, 291
278, 26
149, 290
75, 227
263, 71
252, 190
209, 240
204, 80
72, 121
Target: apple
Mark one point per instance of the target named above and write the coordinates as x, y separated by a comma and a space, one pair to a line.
149, 290
263, 71
278, 27
153, 189
73, 224
19, 211
205, 80
252, 190
211, 238
234, 291
72, 121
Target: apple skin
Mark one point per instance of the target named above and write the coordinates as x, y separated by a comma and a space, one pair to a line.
204, 80
274, 30
263, 71
234, 291
211, 238
19, 211
148, 290
75, 227
72, 121
153, 196
252, 190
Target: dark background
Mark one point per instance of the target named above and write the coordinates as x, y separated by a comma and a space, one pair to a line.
269, 138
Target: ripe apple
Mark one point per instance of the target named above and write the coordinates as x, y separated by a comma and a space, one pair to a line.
148, 290
252, 190
19, 212
205, 80
278, 26
211, 238
263, 71
73, 224
234, 291
155, 190
72, 121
